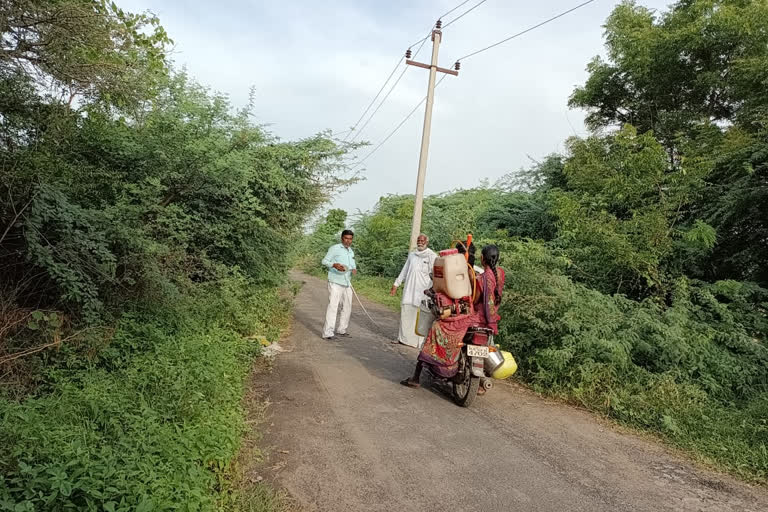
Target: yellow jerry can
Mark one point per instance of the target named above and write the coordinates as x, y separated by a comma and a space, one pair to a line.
507, 368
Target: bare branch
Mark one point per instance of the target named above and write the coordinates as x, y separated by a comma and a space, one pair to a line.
16, 217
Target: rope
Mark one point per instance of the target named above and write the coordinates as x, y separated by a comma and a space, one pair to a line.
381, 329
349, 282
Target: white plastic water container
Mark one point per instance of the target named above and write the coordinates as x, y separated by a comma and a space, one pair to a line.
451, 275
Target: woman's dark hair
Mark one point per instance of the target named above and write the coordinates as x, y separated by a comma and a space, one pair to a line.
347, 232
491, 258
463, 249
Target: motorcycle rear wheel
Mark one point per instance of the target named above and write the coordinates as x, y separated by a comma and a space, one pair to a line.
465, 385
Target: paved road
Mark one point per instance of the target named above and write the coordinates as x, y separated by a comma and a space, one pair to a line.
343, 435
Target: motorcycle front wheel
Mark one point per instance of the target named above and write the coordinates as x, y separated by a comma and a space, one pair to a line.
465, 385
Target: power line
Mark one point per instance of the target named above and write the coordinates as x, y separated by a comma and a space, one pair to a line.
360, 131
440, 18
399, 60
454, 20
420, 41
407, 117
356, 133
553, 18
449, 12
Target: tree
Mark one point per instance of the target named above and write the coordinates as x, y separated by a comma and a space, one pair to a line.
697, 76
87, 48
703, 61
111, 198
521, 214
620, 215
735, 201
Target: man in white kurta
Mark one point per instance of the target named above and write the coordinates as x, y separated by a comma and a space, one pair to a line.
416, 275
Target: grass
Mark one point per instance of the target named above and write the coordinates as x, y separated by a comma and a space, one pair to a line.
243, 489
153, 420
263, 498
377, 288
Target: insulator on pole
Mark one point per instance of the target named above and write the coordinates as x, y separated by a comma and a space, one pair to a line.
439, 24
408, 53
457, 66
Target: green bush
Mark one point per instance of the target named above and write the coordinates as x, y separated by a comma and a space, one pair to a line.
153, 421
382, 235
144, 226
695, 372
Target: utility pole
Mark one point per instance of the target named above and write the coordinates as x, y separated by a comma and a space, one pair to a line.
423, 155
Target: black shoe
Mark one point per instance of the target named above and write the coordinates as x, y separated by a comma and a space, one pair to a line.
345, 335
329, 338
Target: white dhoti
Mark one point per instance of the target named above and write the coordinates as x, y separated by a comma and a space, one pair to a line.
408, 336
416, 276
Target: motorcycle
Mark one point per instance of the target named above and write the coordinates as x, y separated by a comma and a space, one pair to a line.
478, 359
472, 373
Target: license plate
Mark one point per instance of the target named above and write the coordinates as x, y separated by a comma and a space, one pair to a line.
476, 351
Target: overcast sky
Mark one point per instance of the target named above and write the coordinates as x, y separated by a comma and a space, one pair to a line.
316, 65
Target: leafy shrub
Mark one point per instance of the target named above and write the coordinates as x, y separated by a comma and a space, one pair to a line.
687, 371
143, 228
150, 422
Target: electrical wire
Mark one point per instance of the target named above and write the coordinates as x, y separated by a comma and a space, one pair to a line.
360, 131
454, 20
553, 18
374, 98
449, 12
407, 117
440, 18
391, 74
422, 39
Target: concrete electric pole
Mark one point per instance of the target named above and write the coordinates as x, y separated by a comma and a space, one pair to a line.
433, 69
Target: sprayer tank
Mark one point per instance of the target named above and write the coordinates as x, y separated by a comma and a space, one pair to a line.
451, 275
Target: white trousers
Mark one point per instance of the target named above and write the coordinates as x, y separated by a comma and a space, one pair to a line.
336, 294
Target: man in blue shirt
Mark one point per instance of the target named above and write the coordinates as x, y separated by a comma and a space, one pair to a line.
340, 261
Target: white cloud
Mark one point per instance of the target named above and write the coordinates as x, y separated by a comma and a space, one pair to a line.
317, 65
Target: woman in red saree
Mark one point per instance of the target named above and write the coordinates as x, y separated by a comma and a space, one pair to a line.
442, 347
